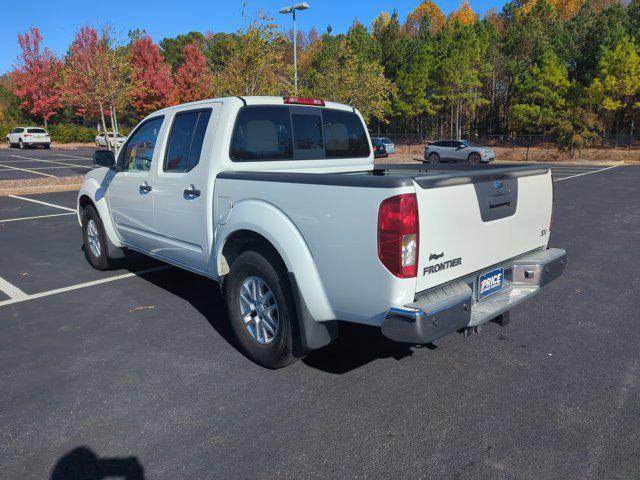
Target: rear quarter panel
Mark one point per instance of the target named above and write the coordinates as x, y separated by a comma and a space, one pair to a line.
339, 227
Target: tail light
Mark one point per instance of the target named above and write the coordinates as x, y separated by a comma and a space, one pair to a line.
304, 101
553, 204
398, 235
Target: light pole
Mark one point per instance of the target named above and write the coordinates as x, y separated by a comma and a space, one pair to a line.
285, 11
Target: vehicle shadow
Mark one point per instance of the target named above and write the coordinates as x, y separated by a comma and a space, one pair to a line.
356, 345
83, 464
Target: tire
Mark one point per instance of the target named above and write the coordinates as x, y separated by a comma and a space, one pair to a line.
21, 145
94, 239
434, 157
47, 146
254, 274
474, 158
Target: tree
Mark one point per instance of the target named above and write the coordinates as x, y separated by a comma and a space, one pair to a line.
542, 95
94, 78
345, 80
427, 9
616, 87
35, 77
256, 63
464, 15
150, 77
173, 48
193, 80
576, 129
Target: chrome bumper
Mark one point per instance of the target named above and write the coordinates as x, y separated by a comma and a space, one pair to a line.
443, 310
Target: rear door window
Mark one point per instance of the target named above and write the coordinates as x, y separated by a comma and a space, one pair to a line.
185, 140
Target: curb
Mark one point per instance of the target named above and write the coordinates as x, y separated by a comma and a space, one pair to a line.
39, 189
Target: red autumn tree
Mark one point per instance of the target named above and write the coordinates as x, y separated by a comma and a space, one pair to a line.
35, 77
150, 76
193, 79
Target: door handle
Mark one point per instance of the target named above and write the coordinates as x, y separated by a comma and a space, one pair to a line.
191, 193
144, 189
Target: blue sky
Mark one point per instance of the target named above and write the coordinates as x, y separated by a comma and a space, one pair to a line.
58, 20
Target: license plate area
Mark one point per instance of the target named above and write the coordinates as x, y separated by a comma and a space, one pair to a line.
490, 283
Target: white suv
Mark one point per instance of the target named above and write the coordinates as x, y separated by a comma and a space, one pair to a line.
102, 142
25, 137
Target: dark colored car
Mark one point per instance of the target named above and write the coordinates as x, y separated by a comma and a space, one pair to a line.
379, 148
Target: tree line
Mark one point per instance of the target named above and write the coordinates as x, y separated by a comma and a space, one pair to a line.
566, 69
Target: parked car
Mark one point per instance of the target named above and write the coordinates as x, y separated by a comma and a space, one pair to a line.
379, 148
25, 137
457, 151
102, 142
389, 145
279, 201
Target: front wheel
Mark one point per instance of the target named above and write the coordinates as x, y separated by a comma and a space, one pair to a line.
261, 308
474, 158
95, 240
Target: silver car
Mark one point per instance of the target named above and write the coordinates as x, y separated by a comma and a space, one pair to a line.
388, 143
457, 151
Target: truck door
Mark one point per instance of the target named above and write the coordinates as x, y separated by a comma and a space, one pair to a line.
181, 186
130, 191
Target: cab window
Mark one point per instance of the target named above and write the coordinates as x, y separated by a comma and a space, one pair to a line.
185, 140
138, 151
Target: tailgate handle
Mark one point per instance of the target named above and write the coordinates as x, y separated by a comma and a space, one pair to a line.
497, 201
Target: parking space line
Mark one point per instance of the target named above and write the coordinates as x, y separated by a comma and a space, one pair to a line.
78, 286
22, 159
26, 170
14, 292
37, 217
43, 203
72, 156
586, 173
54, 162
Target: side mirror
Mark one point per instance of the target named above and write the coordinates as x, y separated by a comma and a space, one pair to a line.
104, 158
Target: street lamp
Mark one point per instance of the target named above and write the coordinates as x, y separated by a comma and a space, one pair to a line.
286, 11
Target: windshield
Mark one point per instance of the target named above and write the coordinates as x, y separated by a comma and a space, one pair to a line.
36, 130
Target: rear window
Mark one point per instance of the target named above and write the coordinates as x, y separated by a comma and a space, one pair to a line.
297, 133
36, 130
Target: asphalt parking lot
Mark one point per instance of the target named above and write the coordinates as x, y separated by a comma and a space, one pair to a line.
18, 164
134, 375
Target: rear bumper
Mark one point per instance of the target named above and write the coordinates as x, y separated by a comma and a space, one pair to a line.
443, 310
43, 141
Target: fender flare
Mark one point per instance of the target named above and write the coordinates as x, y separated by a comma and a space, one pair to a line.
96, 192
270, 222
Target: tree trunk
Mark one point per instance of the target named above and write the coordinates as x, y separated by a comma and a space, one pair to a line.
104, 126
114, 126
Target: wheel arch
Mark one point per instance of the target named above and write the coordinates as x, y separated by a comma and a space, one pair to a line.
258, 222
92, 193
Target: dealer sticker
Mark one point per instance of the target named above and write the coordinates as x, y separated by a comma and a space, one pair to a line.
490, 283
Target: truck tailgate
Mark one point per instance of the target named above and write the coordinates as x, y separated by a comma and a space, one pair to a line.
471, 221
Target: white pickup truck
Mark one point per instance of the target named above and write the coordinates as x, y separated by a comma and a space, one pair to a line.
278, 199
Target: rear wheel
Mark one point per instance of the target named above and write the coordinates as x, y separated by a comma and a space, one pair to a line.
47, 146
434, 157
9, 144
474, 158
95, 240
261, 308
21, 145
